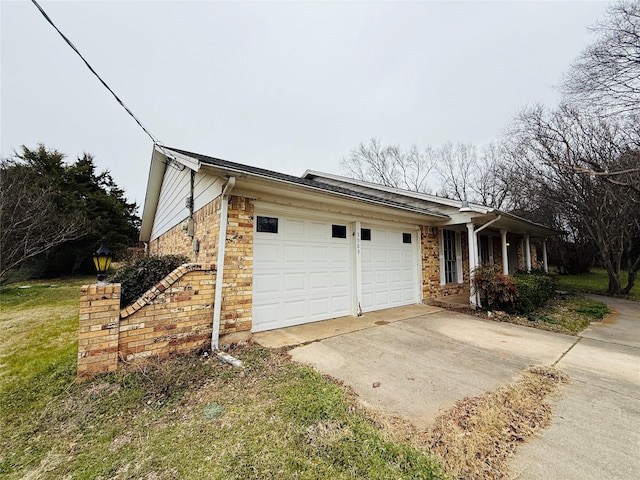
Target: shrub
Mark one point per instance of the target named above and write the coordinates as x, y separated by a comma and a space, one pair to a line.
143, 273
534, 290
496, 290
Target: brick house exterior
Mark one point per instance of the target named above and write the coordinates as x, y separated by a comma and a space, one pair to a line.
376, 237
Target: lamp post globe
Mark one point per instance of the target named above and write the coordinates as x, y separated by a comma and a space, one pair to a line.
102, 261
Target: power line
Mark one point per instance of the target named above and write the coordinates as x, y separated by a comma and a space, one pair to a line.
44, 14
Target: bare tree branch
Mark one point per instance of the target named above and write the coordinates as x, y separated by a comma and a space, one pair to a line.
390, 165
29, 221
606, 76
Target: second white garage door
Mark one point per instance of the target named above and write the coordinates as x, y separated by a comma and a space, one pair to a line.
302, 271
389, 268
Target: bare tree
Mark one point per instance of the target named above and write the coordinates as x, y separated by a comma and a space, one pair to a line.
482, 177
30, 223
606, 76
390, 165
456, 165
564, 157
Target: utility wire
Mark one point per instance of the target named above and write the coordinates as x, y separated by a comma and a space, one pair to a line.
44, 14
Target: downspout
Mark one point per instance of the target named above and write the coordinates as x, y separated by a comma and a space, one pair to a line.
488, 223
222, 237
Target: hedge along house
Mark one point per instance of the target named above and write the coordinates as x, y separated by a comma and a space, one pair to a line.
291, 250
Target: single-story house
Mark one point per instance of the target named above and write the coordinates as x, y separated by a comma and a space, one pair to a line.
291, 250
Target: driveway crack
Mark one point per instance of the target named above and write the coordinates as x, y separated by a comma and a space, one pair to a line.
567, 351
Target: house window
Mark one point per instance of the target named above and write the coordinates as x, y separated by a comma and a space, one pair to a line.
339, 231
365, 234
485, 259
449, 254
267, 224
406, 238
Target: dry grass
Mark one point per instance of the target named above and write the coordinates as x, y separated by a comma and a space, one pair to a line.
476, 438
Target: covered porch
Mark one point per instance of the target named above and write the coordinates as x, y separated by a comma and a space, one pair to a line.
498, 238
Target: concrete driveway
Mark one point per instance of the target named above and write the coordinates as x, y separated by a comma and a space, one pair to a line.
419, 366
595, 430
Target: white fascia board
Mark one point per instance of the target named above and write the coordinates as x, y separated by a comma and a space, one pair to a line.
294, 185
189, 162
152, 196
407, 193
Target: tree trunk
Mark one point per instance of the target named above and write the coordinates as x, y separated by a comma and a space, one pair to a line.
614, 273
633, 273
614, 282
630, 282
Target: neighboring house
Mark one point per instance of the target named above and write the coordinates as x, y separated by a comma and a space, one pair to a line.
302, 249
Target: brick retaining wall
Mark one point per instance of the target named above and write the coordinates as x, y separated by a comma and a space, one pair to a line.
173, 317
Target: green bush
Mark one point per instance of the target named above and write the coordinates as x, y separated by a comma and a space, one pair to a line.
534, 290
143, 273
496, 290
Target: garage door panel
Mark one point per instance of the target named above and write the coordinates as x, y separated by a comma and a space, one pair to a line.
381, 277
318, 254
267, 283
389, 271
293, 282
294, 254
396, 276
267, 311
293, 228
339, 254
341, 279
269, 254
319, 280
302, 270
342, 304
294, 311
318, 230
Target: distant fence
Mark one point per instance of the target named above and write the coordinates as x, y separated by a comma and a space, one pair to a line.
173, 317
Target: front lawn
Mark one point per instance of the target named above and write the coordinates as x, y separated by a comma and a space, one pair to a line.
188, 417
595, 282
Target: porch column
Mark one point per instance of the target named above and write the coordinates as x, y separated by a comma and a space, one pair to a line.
544, 256
505, 257
473, 259
527, 254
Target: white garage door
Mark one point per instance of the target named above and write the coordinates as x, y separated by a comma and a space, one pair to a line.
301, 271
389, 268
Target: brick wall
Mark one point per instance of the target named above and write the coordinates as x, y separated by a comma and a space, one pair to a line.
176, 241
430, 245
98, 329
173, 317
237, 293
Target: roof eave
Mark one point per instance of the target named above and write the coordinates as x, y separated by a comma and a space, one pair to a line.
231, 171
152, 195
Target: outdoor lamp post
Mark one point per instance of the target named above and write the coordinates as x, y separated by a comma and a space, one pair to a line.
102, 260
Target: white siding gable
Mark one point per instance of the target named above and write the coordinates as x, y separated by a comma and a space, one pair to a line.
176, 184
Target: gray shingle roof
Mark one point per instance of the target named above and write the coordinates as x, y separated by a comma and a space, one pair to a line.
233, 167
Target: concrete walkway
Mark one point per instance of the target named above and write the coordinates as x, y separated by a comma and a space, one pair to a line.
595, 431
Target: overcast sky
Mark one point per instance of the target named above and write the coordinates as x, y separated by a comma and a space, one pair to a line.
285, 86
